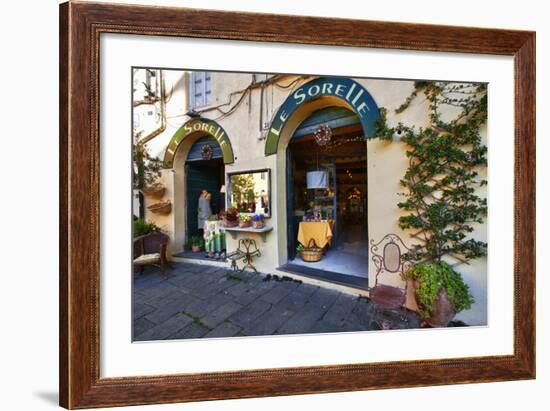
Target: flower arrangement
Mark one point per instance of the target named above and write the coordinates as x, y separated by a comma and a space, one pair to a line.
245, 220
258, 221
231, 218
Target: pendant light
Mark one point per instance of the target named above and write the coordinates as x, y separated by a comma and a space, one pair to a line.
318, 179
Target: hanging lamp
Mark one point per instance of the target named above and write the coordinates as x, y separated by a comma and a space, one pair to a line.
318, 179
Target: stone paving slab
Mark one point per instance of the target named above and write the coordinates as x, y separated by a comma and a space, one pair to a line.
141, 325
220, 314
340, 310
201, 308
294, 301
254, 292
324, 297
165, 329
307, 315
192, 330
361, 314
199, 301
225, 329
173, 307
270, 321
139, 310
323, 327
237, 289
246, 315
276, 294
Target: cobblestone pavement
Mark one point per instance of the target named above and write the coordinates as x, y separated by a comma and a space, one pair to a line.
199, 301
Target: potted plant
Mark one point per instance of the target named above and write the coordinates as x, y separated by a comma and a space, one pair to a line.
197, 243
245, 220
231, 218
258, 221
440, 292
143, 227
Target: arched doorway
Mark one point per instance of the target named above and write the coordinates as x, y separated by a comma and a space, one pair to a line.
204, 172
339, 201
305, 104
196, 167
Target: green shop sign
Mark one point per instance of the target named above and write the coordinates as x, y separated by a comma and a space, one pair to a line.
203, 127
355, 95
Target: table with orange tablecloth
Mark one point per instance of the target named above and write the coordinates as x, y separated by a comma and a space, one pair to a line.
320, 231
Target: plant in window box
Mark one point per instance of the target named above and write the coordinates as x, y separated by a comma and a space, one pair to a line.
197, 243
245, 220
231, 218
258, 221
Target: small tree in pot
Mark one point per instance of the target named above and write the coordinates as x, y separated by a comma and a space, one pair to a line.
441, 202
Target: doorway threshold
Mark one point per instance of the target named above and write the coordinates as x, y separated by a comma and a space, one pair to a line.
197, 258
328, 276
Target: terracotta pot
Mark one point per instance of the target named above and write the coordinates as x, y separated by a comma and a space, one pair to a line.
195, 248
245, 224
258, 224
443, 312
228, 223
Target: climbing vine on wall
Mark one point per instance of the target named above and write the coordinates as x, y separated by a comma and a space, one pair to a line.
441, 201
146, 168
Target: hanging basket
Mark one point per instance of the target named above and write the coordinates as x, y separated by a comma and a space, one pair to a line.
156, 191
312, 253
163, 208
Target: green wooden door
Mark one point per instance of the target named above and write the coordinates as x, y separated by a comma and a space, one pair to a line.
201, 176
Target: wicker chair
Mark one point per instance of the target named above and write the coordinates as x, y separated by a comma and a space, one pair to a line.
387, 257
150, 249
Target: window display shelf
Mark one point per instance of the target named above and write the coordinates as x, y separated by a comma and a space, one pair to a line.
233, 231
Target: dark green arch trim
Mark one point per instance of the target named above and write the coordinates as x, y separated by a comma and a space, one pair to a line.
205, 127
352, 93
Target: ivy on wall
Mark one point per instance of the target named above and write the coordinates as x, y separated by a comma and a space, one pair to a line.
146, 169
441, 201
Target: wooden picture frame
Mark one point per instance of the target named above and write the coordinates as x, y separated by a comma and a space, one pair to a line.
80, 27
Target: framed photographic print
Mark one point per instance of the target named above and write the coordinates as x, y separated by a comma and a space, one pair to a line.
257, 205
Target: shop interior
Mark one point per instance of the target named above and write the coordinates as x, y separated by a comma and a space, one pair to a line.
327, 184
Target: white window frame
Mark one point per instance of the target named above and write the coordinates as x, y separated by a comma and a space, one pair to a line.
200, 89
